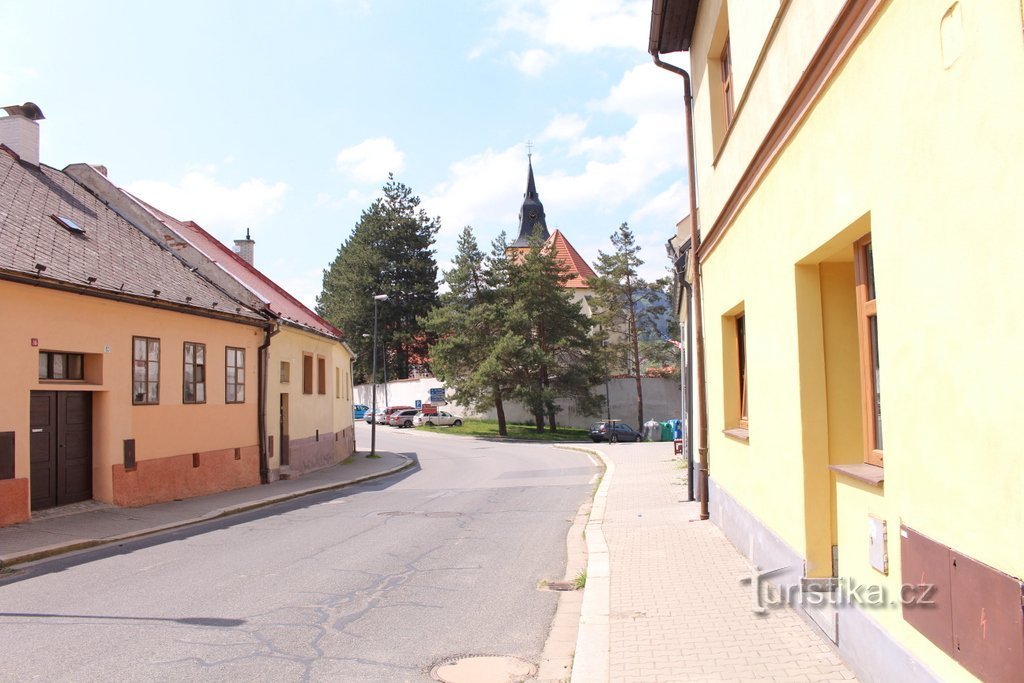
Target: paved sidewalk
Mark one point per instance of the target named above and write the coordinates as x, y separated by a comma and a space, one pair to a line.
676, 609
93, 524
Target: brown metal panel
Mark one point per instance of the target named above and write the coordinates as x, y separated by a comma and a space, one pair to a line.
988, 621
129, 454
926, 563
6, 455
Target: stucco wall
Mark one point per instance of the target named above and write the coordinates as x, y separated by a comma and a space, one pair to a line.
917, 141
103, 330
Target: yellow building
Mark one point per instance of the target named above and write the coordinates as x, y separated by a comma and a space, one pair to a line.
860, 192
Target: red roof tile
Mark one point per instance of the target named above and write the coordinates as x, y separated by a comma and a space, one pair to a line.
578, 270
279, 301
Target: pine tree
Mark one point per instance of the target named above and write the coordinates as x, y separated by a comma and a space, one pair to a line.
475, 354
559, 357
390, 251
627, 307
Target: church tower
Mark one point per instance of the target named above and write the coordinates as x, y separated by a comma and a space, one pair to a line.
531, 214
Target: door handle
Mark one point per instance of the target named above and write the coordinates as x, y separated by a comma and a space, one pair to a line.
36, 431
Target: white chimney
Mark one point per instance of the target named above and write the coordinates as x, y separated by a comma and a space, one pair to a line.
245, 248
20, 132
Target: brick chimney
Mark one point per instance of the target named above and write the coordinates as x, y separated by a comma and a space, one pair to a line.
20, 132
244, 248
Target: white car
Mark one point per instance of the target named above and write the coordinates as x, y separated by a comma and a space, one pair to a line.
438, 419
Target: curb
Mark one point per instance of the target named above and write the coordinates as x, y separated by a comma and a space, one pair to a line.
591, 661
8, 561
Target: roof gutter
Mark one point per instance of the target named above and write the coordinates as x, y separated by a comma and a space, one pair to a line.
698, 315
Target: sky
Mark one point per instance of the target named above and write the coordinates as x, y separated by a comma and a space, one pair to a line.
285, 118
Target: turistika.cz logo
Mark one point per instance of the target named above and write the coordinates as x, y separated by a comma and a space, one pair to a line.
843, 592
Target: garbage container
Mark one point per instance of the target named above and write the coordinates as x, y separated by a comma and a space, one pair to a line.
652, 431
666, 431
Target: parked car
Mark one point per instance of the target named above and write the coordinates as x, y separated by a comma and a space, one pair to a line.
613, 431
439, 419
359, 411
381, 417
402, 418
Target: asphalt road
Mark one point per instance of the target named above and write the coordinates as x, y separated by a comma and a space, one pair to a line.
378, 582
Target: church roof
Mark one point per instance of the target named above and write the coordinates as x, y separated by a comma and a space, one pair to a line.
576, 267
531, 213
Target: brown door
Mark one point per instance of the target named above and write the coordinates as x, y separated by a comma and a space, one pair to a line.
60, 447
284, 429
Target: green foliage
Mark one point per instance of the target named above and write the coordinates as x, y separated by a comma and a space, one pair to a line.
627, 309
508, 329
390, 251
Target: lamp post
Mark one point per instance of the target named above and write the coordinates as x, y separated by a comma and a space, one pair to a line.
373, 423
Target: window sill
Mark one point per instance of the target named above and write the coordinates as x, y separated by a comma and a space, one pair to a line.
872, 475
738, 433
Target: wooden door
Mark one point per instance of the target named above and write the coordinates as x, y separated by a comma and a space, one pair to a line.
284, 430
60, 447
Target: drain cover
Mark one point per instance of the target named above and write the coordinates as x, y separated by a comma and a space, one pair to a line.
483, 669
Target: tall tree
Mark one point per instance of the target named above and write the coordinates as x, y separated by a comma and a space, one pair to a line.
476, 352
627, 307
561, 358
390, 251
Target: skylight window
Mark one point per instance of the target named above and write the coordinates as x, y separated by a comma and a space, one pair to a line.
68, 224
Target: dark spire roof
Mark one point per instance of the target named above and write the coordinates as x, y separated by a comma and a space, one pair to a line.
531, 213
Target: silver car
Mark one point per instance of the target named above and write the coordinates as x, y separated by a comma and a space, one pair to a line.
438, 419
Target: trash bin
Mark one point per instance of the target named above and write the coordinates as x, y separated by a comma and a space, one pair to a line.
666, 431
652, 431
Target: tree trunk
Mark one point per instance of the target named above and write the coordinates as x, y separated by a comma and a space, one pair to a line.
538, 419
551, 421
499, 408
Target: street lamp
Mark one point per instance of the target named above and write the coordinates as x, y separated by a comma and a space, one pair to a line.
373, 423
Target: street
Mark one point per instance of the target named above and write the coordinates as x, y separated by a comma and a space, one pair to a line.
377, 582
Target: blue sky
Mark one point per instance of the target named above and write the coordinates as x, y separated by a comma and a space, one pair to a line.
285, 117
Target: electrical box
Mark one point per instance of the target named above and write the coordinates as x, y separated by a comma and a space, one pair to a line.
878, 555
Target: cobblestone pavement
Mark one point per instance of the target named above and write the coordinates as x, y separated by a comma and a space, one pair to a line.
677, 609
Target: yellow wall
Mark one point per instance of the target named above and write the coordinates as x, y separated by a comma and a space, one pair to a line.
104, 329
920, 145
328, 413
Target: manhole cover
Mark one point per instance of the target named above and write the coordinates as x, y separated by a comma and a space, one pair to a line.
483, 669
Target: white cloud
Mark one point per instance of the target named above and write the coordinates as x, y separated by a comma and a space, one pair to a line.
371, 160
564, 127
531, 62
226, 211
580, 25
304, 286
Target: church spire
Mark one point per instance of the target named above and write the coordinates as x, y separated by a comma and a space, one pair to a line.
532, 212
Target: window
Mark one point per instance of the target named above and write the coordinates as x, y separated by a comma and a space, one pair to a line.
145, 371
286, 372
321, 375
741, 366
867, 332
234, 376
727, 90
57, 365
307, 374
194, 384
337, 382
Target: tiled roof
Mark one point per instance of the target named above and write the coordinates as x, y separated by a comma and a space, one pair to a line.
577, 268
280, 301
120, 260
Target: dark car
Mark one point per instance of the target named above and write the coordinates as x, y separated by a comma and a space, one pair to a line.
613, 431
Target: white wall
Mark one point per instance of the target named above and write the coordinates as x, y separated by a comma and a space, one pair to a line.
661, 401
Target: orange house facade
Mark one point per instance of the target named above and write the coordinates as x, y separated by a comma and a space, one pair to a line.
127, 377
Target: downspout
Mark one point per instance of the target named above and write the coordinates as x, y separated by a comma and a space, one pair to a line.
688, 289
698, 323
270, 330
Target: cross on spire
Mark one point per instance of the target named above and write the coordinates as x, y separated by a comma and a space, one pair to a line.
529, 150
